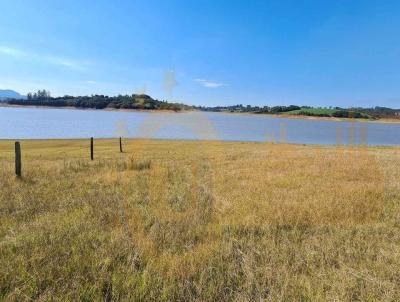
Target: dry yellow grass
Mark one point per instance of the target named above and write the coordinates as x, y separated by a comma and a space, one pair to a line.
199, 221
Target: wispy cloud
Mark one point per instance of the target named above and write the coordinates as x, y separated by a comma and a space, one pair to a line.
50, 59
12, 52
209, 84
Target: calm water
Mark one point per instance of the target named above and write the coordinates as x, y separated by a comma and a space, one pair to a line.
34, 123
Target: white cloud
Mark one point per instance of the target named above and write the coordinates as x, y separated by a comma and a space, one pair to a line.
12, 52
54, 60
209, 84
91, 82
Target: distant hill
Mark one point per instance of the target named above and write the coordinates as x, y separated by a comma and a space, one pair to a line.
11, 94
134, 101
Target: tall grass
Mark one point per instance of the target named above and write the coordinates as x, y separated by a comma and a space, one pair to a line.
199, 221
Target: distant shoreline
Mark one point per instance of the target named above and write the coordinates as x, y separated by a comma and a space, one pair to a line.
341, 119
281, 115
91, 109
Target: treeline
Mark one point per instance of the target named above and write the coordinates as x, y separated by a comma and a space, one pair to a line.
359, 112
380, 112
249, 108
341, 113
39, 95
145, 102
134, 101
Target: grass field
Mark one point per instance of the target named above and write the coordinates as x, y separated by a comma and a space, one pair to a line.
316, 111
199, 221
326, 112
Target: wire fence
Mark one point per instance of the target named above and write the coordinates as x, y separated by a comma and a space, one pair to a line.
355, 134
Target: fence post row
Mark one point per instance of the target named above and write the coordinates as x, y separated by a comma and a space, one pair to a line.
18, 163
91, 148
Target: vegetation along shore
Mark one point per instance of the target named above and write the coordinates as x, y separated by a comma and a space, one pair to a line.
146, 102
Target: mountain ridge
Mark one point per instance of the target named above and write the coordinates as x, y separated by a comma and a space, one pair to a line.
10, 94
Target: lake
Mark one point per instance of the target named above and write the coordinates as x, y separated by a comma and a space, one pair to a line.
44, 123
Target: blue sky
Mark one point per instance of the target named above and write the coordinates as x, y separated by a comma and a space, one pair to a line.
316, 52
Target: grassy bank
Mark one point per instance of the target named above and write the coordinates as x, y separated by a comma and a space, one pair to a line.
204, 221
326, 112
313, 111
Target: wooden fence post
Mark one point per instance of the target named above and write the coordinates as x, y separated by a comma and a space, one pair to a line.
18, 164
91, 148
120, 144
